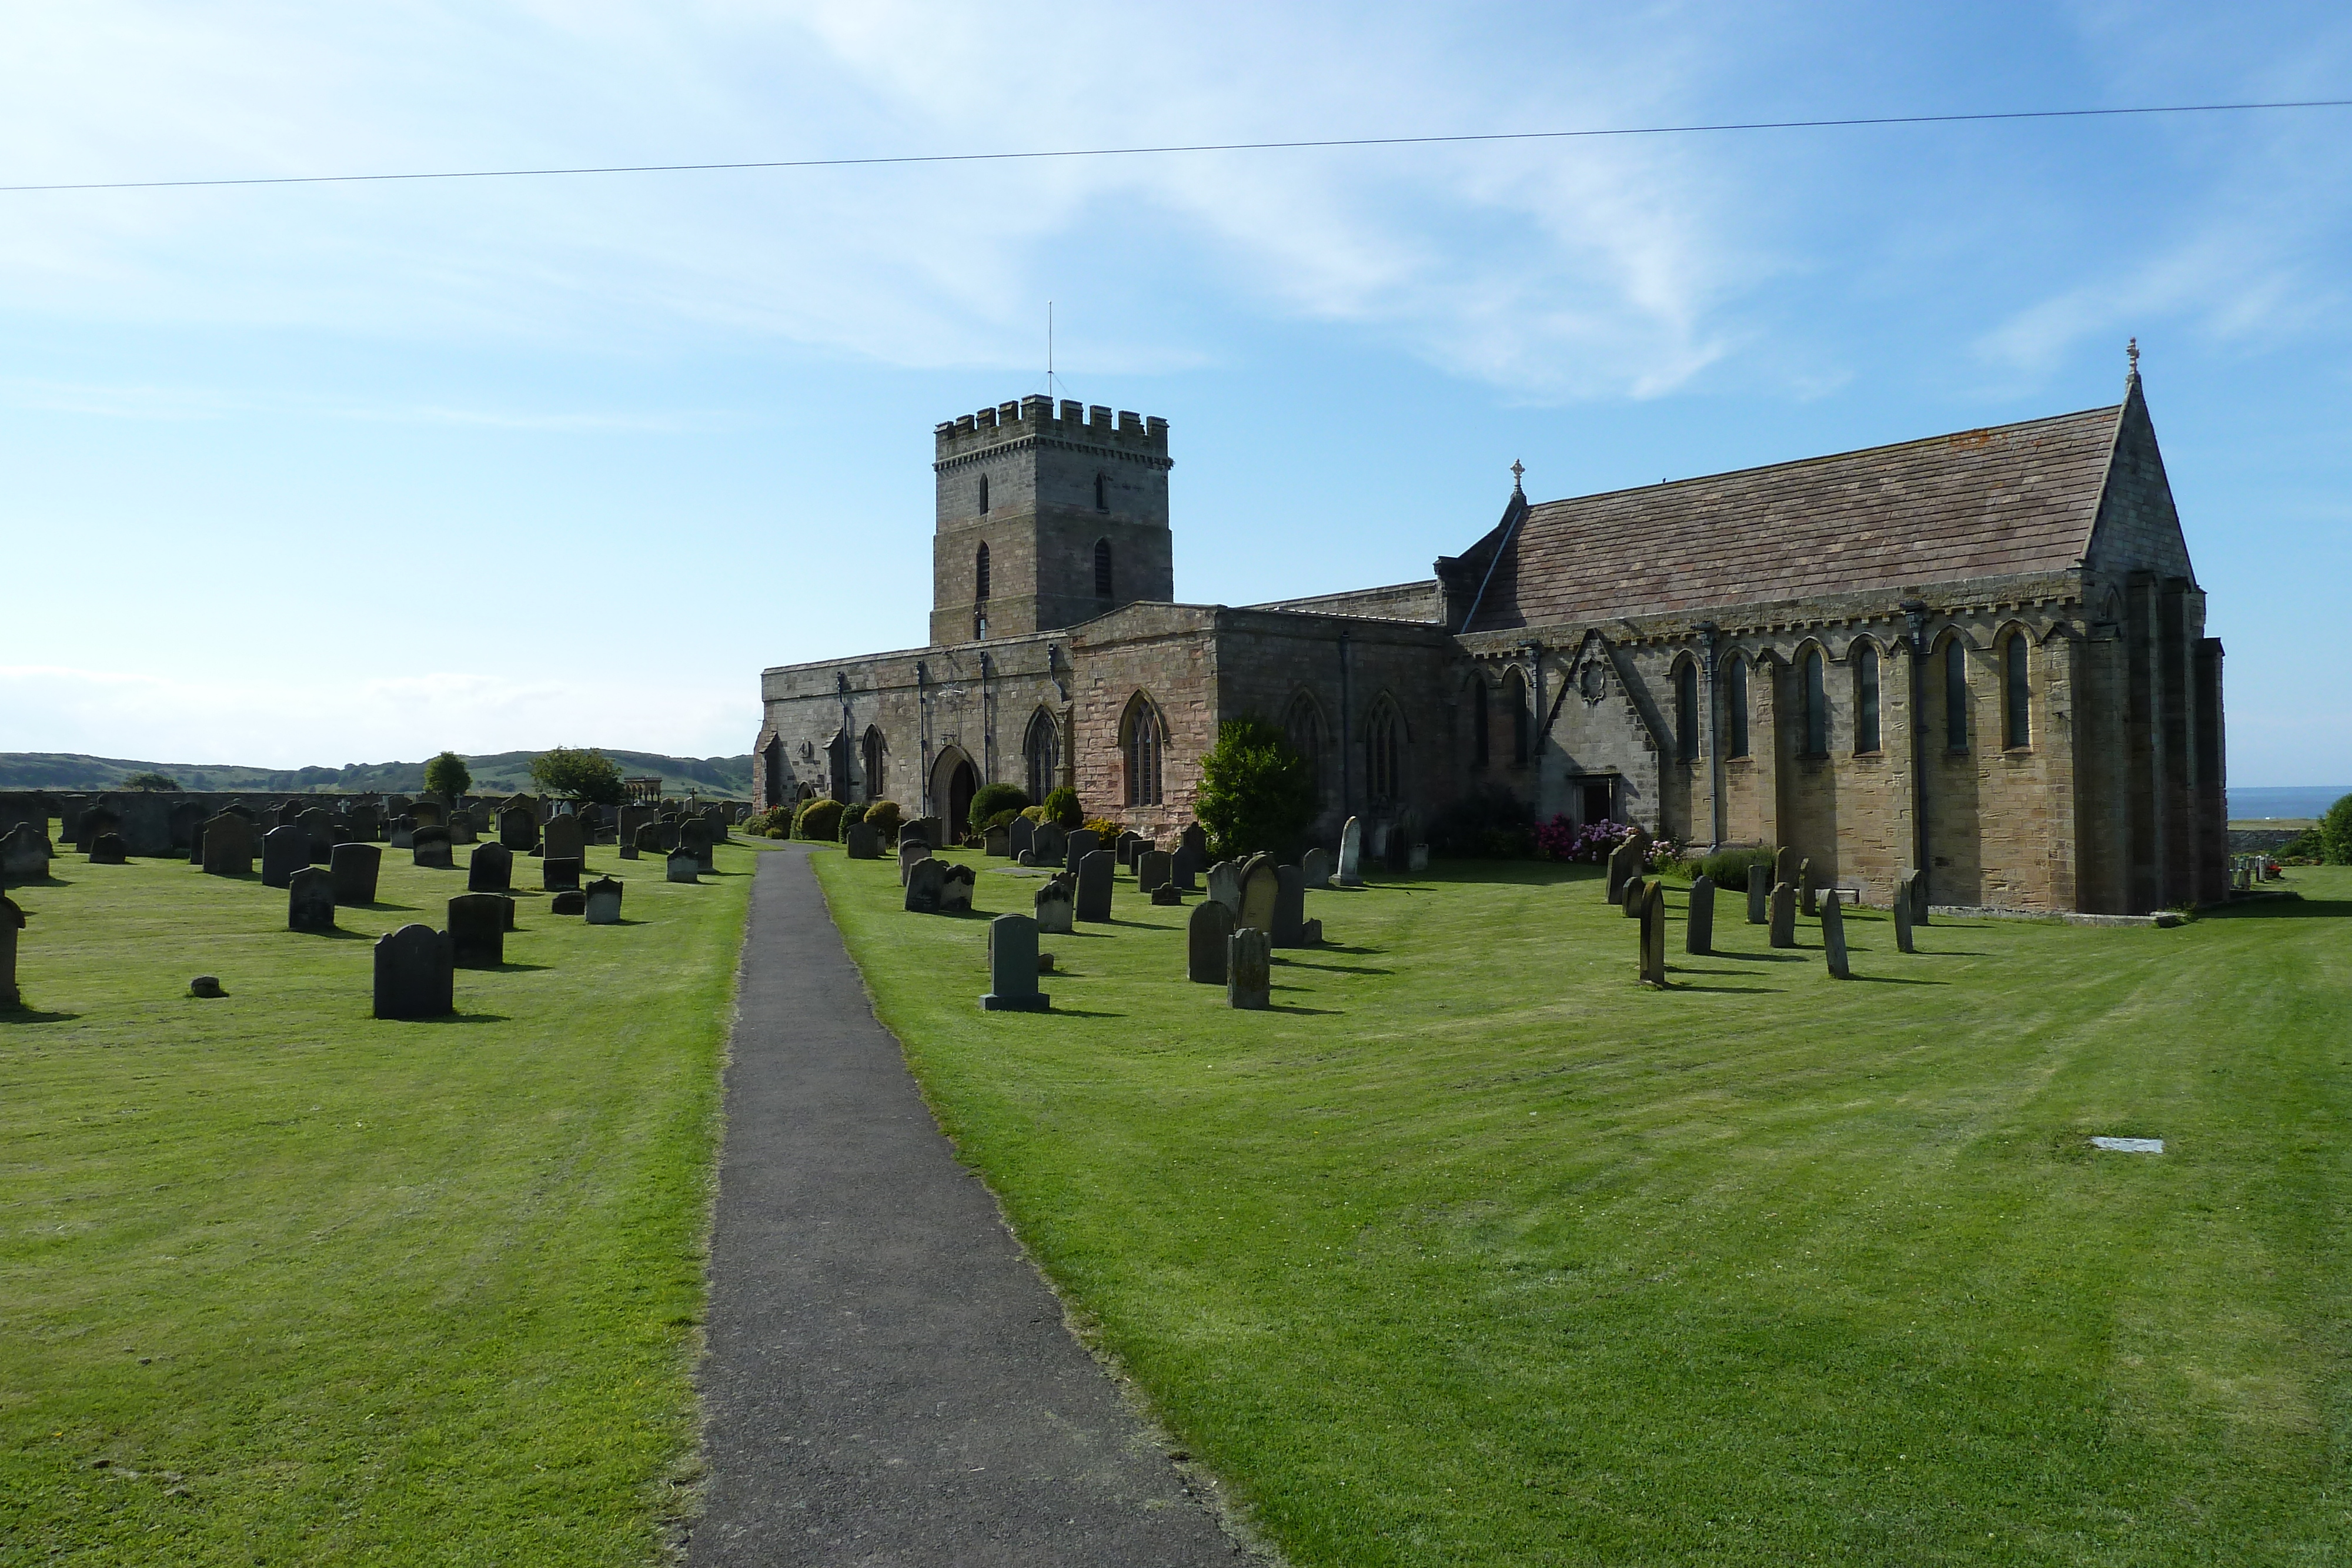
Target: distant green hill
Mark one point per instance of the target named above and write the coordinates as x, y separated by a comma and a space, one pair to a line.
503, 773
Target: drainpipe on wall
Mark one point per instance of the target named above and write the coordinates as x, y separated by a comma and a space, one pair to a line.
1347, 735
1536, 719
923, 730
1915, 614
1708, 630
988, 718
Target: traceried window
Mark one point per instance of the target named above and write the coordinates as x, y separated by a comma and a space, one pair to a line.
1514, 692
1956, 695
1865, 698
2017, 692
1041, 750
1102, 568
1303, 727
1687, 712
1143, 744
1735, 707
1817, 706
1384, 756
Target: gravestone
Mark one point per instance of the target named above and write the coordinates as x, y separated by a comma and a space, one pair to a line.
107, 849
429, 848
562, 837
311, 901
1625, 865
461, 829
1152, 871
911, 853
1315, 866
415, 978
1096, 872
1651, 908
319, 823
1050, 845
923, 878
287, 813
1783, 916
1698, 927
1013, 966
519, 829
490, 869
694, 833
1165, 896
478, 930
1083, 843
228, 845
145, 823
1194, 837
1056, 906
285, 849
558, 873
353, 867
1809, 897
12, 920
1128, 845
1760, 892
1185, 866
365, 824
955, 889
682, 866
1418, 858
1260, 887
648, 841
1904, 940
1784, 867
1020, 835
1289, 928
861, 843
998, 844
1351, 854
188, 820
571, 900
665, 827
25, 854
402, 835
601, 906
1918, 898
1631, 904
716, 819
1225, 884
429, 814
1833, 937
1205, 936
1249, 968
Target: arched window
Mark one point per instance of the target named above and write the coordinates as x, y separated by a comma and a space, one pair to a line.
1735, 707
1817, 706
983, 496
1041, 749
1102, 493
1865, 698
1956, 695
1687, 712
2017, 692
1102, 568
1142, 744
1384, 755
1478, 752
877, 753
980, 573
1514, 695
1303, 724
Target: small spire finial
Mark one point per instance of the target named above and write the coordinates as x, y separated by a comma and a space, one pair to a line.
1517, 469
2131, 352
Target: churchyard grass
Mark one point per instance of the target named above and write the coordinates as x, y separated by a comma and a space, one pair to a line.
281, 1284
1475, 1251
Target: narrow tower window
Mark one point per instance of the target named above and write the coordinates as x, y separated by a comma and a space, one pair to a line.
1687, 712
2017, 706
1956, 695
980, 574
1817, 707
1102, 568
1865, 698
983, 492
1734, 703
1102, 493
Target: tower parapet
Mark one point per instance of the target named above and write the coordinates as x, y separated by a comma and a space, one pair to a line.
1128, 434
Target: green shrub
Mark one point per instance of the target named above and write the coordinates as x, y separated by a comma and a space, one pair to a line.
1729, 868
1257, 793
1035, 813
2334, 832
1062, 807
884, 817
1105, 827
994, 799
1001, 820
819, 819
852, 814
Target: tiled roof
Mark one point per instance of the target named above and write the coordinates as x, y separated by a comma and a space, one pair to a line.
2010, 499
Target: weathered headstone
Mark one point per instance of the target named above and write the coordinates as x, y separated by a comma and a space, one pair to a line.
413, 974
1083, 843
1625, 865
1185, 866
955, 888
1315, 866
429, 813
1129, 844
911, 853
354, 867
12, 920
1760, 892
1225, 884
1050, 845
861, 842
519, 829
1056, 905
1260, 887
997, 844
1351, 854
490, 869
107, 849
1249, 968
403, 833
311, 901
1417, 858
666, 827
1651, 904
564, 838
603, 904
285, 849
1013, 966
1020, 835
1903, 941
1165, 896
1096, 873
682, 866
1152, 869
1288, 929
924, 878
228, 845
648, 841
319, 823
187, 821
25, 854
571, 900
558, 873
1194, 837
1918, 898
1630, 901
1833, 935
1204, 943
461, 830
1809, 896
429, 847
1784, 922
1698, 926
478, 930
366, 824
1785, 861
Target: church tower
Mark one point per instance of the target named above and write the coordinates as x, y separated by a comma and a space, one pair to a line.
1046, 520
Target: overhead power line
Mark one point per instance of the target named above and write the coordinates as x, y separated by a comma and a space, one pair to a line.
1195, 147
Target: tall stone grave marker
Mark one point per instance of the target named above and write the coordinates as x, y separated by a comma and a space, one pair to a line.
228, 845
1833, 937
1249, 968
1084, 841
354, 868
1013, 966
911, 853
1056, 905
1315, 866
1809, 896
490, 869
478, 930
1625, 865
996, 843
603, 906
25, 854
319, 823
1185, 868
1205, 939
1020, 835
955, 888
1629, 904
562, 837
403, 833
1289, 928
429, 847
311, 901
682, 866
1651, 902
1152, 869
1918, 898
519, 830
1261, 887
1698, 929
107, 849
1903, 941
1784, 867
12, 920
861, 842
1784, 932
413, 974
1096, 872
1225, 884
285, 849
924, 879
694, 833
1758, 892
1351, 854
1049, 845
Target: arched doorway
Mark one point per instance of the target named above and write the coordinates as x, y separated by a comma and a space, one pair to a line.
954, 781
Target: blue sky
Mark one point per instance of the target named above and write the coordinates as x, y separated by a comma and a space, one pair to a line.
333, 474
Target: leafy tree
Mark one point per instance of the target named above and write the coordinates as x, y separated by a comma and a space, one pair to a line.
991, 800
583, 774
1256, 792
151, 781
2335, 833
447, 776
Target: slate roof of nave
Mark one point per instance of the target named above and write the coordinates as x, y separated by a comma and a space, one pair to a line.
2005, 500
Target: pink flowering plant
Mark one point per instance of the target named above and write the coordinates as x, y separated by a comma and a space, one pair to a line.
1562, 840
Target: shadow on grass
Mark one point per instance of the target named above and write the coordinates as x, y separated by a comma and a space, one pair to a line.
1728, 990
1059, 1012
2288, 906
27, 1015
15, 882
503, 968
403, 908
1311, 1012
1896, 980
454, 1018
1335, 969
1783, 957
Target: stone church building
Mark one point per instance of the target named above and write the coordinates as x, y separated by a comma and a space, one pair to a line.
1981, 654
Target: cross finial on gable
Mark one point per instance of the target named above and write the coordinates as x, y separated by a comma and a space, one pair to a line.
2131, 352
1517, 469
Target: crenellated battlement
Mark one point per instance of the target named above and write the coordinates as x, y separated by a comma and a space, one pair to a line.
1127, 431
